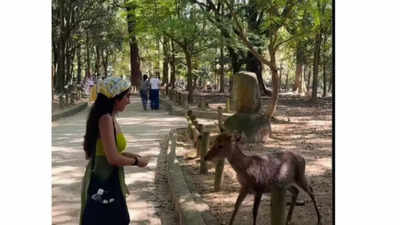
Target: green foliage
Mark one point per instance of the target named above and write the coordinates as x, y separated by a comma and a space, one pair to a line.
195, 28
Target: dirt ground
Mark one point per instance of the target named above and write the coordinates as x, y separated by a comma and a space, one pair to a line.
301, 127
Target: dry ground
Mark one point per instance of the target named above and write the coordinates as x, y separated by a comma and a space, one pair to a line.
301, 127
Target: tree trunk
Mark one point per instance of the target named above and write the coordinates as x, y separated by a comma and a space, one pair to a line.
104, 60
324, 66
221, 75
136, 74
317, 49
280, 76
69, 62
135, 64
165, 63
308, 78
54, 65
275, 85
287, 81
235, 66
188, 58
87, 56
298, 86
275, 92
172, 63
97, 62
60, 77
165, 73
79, 62
324, 78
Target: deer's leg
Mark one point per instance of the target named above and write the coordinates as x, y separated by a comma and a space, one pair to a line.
308, 189
242, 195
257, 199
295, 193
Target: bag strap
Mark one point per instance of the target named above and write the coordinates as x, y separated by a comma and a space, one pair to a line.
94, 153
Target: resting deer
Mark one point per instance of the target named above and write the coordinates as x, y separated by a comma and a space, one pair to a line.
258, 175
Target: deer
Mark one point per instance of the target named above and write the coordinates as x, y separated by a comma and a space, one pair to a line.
258, 175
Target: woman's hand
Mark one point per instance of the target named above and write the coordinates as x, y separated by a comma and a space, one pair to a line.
141, 161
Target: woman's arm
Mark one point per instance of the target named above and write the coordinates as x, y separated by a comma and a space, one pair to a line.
110, 149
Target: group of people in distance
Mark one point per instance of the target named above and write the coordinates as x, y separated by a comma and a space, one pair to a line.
150, 89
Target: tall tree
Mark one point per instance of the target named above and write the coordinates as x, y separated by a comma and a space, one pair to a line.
278, 14
136, 73
322, 17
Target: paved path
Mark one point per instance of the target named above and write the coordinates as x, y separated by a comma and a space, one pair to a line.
148, 201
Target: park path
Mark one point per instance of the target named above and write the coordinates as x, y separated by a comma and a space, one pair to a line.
148, 201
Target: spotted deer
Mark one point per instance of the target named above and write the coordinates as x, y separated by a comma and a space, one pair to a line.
258, 175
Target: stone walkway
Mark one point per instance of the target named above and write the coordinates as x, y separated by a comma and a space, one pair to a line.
148, 201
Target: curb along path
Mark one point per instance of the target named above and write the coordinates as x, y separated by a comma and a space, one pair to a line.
148, 201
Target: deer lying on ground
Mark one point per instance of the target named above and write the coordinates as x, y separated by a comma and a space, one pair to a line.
258, 175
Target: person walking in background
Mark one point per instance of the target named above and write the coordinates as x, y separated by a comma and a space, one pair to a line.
103, 186
144, 90
154, 92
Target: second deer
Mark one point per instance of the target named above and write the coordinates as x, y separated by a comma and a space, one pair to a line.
258, 175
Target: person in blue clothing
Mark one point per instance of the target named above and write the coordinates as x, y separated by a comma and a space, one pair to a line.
144, 91
155, 92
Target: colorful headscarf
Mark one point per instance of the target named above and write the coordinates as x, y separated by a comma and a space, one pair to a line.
113, 86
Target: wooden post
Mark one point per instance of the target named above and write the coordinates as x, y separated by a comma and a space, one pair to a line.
185, 102
220, 119
228, 105
173, 143
200, 129
195, 133
203, 151
278, 206
219, 174
190, 132
202, 102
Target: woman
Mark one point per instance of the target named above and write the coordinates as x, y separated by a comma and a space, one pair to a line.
104, 189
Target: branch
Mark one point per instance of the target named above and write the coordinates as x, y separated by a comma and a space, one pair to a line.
175, 40
290, 39
242, 37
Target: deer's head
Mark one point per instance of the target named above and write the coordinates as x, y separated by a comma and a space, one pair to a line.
222, 146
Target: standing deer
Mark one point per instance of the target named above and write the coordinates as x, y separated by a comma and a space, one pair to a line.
258, 175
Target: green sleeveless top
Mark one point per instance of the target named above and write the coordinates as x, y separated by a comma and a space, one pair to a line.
121, 145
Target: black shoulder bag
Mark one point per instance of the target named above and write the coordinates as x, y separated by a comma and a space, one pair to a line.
105, 204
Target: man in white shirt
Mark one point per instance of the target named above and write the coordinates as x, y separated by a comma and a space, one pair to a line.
154, 92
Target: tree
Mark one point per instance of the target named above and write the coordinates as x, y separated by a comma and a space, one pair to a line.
187, 28
322, 17
136, 73
278, 14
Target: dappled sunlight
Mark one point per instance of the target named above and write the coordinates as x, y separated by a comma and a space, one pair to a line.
319, 166
62, 149
139, 174
320, 122
66, 175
